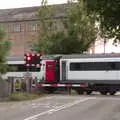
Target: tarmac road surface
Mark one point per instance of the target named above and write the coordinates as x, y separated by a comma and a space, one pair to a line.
63, 107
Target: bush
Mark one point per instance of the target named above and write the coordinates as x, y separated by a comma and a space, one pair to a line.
19, 96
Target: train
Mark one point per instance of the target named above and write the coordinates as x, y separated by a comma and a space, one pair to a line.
84, 73
18, 68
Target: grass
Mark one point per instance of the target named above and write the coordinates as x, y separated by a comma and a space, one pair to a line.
21, 96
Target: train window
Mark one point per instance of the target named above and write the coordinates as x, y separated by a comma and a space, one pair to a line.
118, 65
43, 67
75, 66
112, 65
94, 66
50, 67
22, 68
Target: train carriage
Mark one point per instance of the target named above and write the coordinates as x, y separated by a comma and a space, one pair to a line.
101, 72
97, 69
18, 68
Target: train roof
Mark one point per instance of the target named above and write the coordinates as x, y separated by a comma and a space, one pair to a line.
69, 56
15, 58
77, 56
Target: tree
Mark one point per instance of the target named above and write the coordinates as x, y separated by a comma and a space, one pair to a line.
4, 48
76, 36
108, 13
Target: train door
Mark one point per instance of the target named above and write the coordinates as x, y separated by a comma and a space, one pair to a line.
64, 70
50, 72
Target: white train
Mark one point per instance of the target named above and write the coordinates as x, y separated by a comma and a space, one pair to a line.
84, 73
19, 69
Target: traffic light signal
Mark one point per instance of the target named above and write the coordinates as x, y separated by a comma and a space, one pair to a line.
28, 58
32, 59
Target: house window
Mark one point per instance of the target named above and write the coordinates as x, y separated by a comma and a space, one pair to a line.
33, 27
9, 28
16, 28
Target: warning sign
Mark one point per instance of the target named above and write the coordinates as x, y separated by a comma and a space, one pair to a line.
17, 84
27, 75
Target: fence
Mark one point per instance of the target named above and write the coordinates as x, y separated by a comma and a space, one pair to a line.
15, 84
4, 88
22, 84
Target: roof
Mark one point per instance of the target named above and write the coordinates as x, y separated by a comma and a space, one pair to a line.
28, 13
75, 56
15, 58
20, 59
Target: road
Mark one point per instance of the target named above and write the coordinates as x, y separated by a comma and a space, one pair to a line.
63, 107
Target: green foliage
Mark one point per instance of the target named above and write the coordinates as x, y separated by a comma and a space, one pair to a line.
81, 27
108, 12
12, 68
20, 96
4, 48
76, 35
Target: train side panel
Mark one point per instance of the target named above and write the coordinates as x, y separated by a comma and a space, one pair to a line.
90, 70
93, 75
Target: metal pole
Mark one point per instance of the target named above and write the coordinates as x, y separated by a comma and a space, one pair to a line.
104, 45
28, 82
69, 90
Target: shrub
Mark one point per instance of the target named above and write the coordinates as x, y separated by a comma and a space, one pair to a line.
19, 96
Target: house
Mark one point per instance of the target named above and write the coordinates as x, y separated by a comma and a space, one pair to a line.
22, 26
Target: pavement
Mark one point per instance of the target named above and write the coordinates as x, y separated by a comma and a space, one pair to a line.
63, 107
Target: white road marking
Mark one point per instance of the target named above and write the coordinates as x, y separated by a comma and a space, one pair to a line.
58, 108
13, 106
33, 104
37, 105
1, 109
44, 98
34, 118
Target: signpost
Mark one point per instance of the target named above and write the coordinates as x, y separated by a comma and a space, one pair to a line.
17, 84
31, 60
27, 74
28, 78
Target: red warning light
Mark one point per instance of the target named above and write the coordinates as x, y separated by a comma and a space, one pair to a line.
28, 58
32, 59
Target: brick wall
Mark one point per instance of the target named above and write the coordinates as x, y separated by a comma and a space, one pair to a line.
19, 34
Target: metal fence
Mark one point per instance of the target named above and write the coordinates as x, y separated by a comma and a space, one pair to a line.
5, 88
16, 84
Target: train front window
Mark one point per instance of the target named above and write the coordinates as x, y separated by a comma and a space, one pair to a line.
50, 67
42, 67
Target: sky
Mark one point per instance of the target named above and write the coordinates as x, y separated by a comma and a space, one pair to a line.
5, 4
108, 48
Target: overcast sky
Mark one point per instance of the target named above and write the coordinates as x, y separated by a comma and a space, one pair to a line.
25, 3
